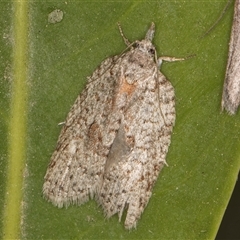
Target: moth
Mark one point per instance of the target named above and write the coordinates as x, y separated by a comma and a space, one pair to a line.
116, 136
231, 88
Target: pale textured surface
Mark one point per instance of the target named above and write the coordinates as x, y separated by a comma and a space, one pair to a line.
231, 88
116, 136
55, 16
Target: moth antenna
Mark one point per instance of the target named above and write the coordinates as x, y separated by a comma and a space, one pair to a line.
126, 41
150, 33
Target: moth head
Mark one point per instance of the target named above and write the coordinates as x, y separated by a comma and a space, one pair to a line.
146, 47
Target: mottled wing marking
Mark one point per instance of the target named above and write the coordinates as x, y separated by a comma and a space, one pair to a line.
142, 140
78, 162
116, 136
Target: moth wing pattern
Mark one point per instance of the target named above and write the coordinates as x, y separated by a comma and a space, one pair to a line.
77, 164
116, 136
144, 138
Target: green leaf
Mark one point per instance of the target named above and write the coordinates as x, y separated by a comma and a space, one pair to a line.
41, 81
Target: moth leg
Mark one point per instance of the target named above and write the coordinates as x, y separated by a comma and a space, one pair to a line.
168, 59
